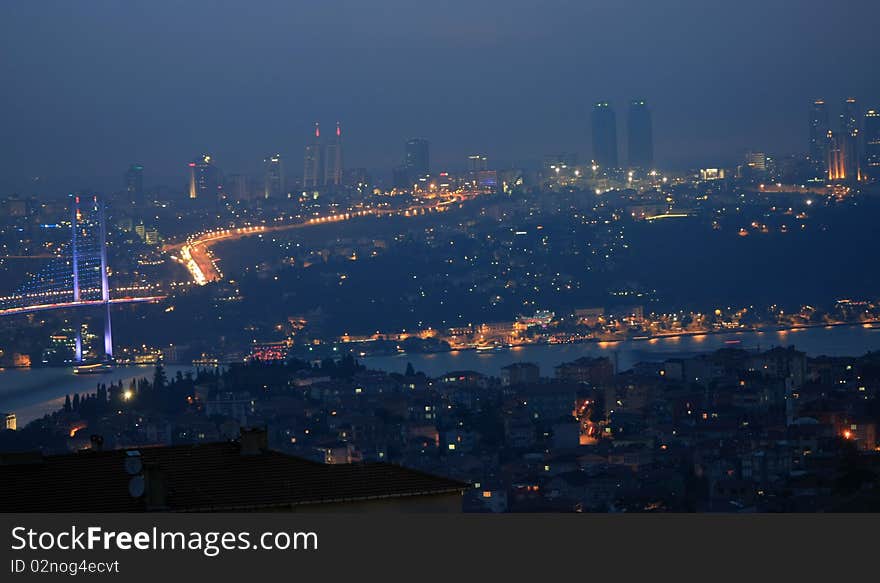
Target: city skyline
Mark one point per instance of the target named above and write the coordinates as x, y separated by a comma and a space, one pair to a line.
744, 103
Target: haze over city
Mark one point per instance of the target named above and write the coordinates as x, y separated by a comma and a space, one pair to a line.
487, 257
91, 87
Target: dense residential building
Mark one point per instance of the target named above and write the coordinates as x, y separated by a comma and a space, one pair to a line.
520, 373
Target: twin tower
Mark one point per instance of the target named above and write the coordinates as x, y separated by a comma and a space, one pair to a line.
639, 136
323, 161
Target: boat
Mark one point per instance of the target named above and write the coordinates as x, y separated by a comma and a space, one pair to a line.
93, 368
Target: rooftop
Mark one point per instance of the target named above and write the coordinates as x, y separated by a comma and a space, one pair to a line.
194, 478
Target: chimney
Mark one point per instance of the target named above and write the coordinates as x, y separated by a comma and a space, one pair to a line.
253, 441
97, 442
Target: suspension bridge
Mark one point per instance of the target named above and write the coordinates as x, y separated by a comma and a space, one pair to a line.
77, 278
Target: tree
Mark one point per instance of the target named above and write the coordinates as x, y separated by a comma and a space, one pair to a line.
159, 378
410, 371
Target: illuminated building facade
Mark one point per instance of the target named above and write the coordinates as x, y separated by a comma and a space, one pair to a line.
604, 135
757, 164
836, 156
640, 136
204, 178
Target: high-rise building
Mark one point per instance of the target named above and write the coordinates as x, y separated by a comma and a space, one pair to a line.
333, 170
819, 126
362, 182
418, 160
604, 136
872, 144
400, 178
478, 162
313, 171
758, 166
849, 133
756, 161
237, 186
639, 135
273, 177
134, 185
204, 179
836, 157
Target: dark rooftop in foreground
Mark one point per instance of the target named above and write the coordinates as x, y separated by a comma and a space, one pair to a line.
230, 476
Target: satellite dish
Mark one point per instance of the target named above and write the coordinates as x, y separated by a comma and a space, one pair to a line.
136, 487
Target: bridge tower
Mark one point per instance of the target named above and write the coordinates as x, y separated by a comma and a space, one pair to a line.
105, 289
74, 220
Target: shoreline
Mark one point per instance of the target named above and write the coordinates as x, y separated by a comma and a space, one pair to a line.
870, 324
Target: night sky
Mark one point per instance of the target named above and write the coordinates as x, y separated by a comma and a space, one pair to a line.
88, 87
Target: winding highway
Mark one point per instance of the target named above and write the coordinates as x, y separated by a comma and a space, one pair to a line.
195, 253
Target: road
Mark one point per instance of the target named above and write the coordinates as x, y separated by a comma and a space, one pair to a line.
195, 253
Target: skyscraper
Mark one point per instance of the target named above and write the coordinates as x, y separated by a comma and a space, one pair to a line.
362, 182
872, 144
273, 169
134, 185
604, 135
418, 160
478, 162
639, 136
204, 179
333, 170
313, 169
836, 157
849, 134
819, 126
237, 186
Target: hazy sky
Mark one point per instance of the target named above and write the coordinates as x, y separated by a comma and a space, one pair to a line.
87, 86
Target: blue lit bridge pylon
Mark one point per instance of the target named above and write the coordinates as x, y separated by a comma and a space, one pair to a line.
76, 278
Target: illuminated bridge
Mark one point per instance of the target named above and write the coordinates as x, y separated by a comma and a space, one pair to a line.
77, 278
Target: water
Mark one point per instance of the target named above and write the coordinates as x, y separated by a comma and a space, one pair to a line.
829, 340
32, 393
